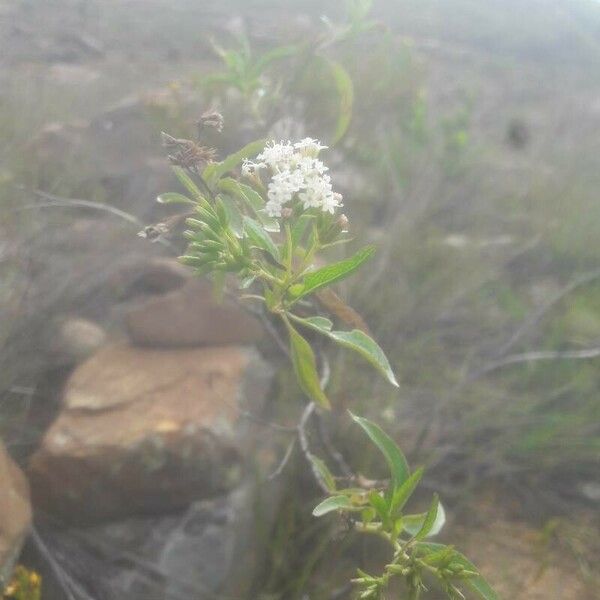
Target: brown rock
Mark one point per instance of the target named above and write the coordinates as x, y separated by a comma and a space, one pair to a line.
155, 275
191, 316
15, 513
74, 340
145, 430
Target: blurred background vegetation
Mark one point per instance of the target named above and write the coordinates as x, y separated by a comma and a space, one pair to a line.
465, 139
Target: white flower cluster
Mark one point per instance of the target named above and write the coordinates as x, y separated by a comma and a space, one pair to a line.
295, 170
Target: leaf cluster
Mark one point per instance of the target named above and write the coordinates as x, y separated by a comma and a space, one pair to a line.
230, 232
253, 74
380, 511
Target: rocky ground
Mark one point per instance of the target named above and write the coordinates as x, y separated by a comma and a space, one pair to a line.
149, 453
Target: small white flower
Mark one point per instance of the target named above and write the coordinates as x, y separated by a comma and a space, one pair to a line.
273, 209
296, 173
331, 202
309, 147
277, 156
309, 166
317, 188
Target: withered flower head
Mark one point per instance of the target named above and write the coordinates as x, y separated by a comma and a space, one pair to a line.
187, 154
212, 119
154, 232
342, 223
161, 230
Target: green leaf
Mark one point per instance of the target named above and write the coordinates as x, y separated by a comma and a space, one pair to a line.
345, 90
213, 172
413, 524
174, 198
478, 584
430, 519
331, 273
379, 504
305, 366
188, 184
404, 492
321, 324
260, 238
324, 472
360, 342
356, 340
330, 504
222, 213
299, 228
253, 199
234, 218
393, 455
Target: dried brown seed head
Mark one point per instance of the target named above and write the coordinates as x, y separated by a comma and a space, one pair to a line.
188, 154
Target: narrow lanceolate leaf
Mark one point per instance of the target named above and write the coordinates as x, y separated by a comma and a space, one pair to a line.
305, 367
404, 492
189, 184
430, 519
234, 218
260, 238
332, 503
331, 273
252, 199
478, 583
345, 90
213, 172
393, 455
360, 342
356, 340
413, 524
321, 324
323, 471
173, 198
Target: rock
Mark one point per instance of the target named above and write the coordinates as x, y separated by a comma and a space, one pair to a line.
144, 276
74, 340
15, 513
143, 431
191, 316
212, 549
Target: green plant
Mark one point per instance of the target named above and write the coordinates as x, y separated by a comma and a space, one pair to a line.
378, 509
306, 68
266, 228
244, 70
